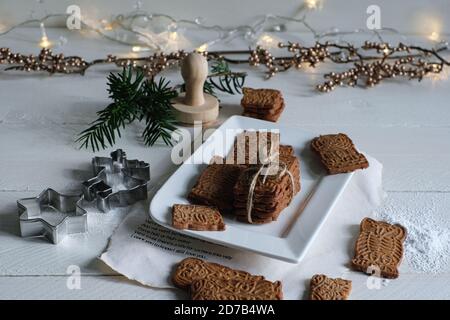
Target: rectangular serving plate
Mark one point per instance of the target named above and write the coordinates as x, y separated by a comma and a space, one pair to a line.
286, 239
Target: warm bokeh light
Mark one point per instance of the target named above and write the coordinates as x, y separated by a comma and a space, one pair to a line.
202, 48
173, 36
441, 76
45, 43
429, 24
313, 4
434, 36
268, 41
136, 49
106, 25
173, 41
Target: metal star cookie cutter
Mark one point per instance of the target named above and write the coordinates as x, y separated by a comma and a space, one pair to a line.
52, 215
133, 175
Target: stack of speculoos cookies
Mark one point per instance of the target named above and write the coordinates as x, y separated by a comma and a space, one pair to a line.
228, 185
266, 104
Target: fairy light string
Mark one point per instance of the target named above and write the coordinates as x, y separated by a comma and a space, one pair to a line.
369, 64
135, 28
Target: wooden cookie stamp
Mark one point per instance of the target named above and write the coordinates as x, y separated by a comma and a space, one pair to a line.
194, 105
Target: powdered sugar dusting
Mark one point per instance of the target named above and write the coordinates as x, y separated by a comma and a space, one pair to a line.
427, 246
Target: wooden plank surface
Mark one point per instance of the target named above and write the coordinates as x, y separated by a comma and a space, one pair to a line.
118, 287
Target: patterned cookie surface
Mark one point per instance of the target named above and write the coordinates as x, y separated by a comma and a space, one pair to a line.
253, 147
217, 289
272, 184
338, 153
191, 269
379, 248
324, 288
267, 104
196, 217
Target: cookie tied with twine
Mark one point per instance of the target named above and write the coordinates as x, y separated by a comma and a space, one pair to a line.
264, 171
264, 190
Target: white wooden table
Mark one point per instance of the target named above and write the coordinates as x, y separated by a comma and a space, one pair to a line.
405, 125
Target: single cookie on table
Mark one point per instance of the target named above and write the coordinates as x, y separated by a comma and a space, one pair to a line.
324, 288
235, 289
215, 186
190, 269
197, 217
379, 248
338, 153
267, 104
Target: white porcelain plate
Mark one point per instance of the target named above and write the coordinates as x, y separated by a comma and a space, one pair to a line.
290, 236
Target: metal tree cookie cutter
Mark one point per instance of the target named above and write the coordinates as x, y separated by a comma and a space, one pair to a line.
128, 187
52, 215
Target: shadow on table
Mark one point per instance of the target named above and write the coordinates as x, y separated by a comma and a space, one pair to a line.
228, 109
78, 176
305, 293
312, 166
353, 232
9, 220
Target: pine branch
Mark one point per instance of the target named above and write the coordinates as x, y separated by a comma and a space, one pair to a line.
104, 130
208, 88
125, 91
122, 86
157, 111
133, 99
227, 81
